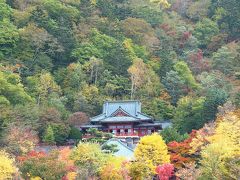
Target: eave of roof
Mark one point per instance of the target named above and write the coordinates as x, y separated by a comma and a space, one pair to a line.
91, 126
150, 117
117, 140
149, 125
120, 119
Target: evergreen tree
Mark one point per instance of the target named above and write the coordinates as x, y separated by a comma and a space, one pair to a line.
48, 136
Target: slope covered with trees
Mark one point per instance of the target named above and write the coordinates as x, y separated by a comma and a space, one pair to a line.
181, 59
60, 59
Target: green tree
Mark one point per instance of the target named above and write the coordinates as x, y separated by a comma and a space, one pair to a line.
50, 116
109, 47
216, 88
147, 11
58, 18
4, 101
226, 59
185, 74
114, 9
205, 30
85, 51
104, 47
88, 100
87, 7
167, 58
214, 80
61, 132
115, 86
71, 79
175, 86
170, 134
158, 108
48, 136
27, 114
93, 69
75, 134
5, 9
214, 99
36, 48
8, 38
237, 99
135, 51
198, 9
41, 86
226, 12
12, 89
189, 114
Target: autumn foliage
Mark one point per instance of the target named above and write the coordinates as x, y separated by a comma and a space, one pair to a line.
61, 59
220, 158
165, 171
78, 118
180, 151
52, 165
115, 168
21, 139
7, 167
212, 151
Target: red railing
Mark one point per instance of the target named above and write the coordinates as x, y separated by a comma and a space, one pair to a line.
126, 134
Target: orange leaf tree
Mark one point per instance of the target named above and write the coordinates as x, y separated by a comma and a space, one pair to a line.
180, 151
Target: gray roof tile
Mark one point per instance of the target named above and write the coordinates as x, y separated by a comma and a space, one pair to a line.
132, 108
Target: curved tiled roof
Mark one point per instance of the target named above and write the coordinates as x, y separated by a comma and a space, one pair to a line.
131, 108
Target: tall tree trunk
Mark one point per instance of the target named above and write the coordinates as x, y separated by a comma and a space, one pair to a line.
96, 75
132, 87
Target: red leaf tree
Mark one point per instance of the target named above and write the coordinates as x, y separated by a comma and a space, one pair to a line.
165, 171
180, 151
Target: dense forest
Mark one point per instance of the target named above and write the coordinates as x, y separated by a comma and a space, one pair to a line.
61, 59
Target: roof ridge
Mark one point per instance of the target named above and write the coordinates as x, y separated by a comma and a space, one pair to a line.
120, 108
117, 101
145, 115
115, 139
97, 116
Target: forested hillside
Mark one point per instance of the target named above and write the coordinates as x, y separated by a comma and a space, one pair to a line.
61, 59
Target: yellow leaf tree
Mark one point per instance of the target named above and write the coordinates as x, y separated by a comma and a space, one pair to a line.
151, 150
162, 3
7, 168
115, 168
224, 146
228, 128
143, 79
89, 158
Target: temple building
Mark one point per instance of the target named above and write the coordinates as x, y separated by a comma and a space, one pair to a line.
124, 119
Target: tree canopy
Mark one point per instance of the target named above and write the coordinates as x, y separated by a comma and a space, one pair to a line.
61, 59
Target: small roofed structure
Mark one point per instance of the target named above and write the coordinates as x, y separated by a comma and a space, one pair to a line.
122, 150
124, 119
